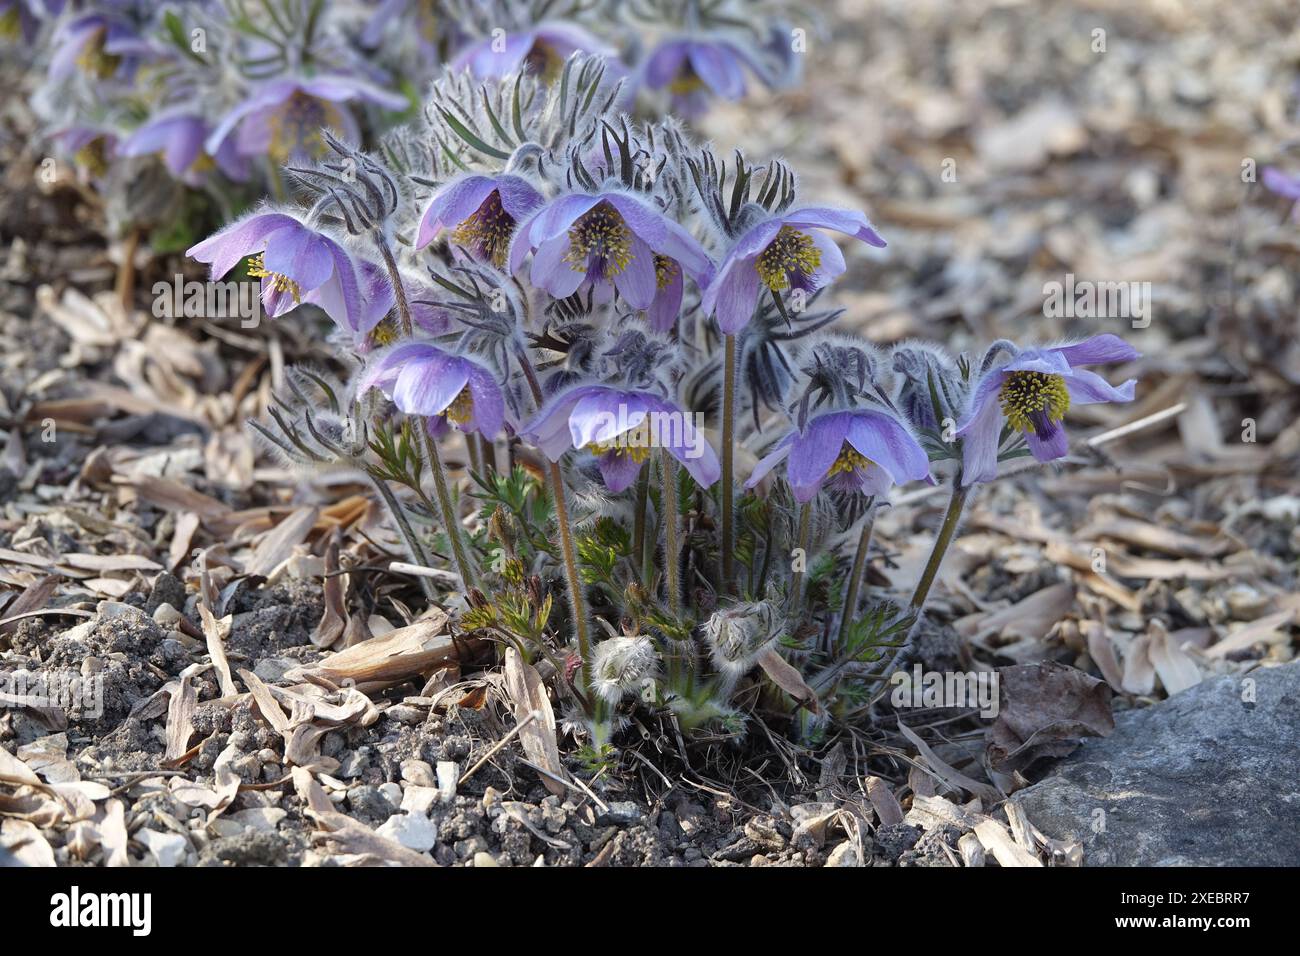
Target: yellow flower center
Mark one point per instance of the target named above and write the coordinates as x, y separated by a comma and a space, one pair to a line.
633, 443
686, 82
791, 255
600, 234
666, 270
11, 24
849, 460
93, 157
385, 333
1031, 399
281, 283
94, 60
297, 123
488, 230
461, 410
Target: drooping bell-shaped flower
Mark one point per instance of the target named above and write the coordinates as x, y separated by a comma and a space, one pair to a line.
422, 379
178, 138
692, 70
295, 262
780, 253
481, 213
863, 450
541, 50
611, 242
283, 118
622, 428
1031, 393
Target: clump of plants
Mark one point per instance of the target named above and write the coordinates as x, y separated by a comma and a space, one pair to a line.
674, 457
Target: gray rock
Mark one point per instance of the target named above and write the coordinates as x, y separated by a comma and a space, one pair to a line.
1206, 778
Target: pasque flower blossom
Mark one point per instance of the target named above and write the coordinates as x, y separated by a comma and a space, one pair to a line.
295, 263
611, 241
283, 118
782, 252
692, 69
863, 450
422, 379
542, 50
1031, 393
621, 428
179, 137
481, 212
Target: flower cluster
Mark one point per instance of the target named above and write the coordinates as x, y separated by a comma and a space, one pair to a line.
219, 97
529, 276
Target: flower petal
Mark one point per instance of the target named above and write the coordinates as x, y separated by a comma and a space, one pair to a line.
1106, 347
452, 205
886, 441
815, 450
1089, 388
240, 239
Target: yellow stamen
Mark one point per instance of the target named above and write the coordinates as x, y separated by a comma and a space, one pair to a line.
93, 157
850, 460
461, 410
297, 124
791, 253
633, 443
94, 60
279, 281
1026, 394
11, 24
686, 82
385, 333
666, 270
601, 233
488, 229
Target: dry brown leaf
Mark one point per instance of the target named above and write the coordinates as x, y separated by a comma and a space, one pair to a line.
788, 678
1174, 666
949, 775
528, 696
1266, 630
997, 840
215, 633
180, 724
406, 652
277, 544
888, 811
1043, 711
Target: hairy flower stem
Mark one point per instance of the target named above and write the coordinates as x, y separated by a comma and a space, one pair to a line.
639, 520
805, 528
728, 461
855, 576
956, 504
445, 504
413, 544
672, 515
576, 600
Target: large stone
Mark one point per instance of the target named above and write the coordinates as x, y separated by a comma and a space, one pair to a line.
1210, 777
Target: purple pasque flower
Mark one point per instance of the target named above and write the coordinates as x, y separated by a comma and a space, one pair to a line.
283, 118
99, 45
542, 50
866, 450
1287, 186
481, 212
782, 252
621, 427
295, 263
379, 302
611, 242
179, 137
422, 379
1031, 393
91, 149
692, 69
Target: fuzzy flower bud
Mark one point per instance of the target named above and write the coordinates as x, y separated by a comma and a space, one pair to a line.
620, 666
737, 636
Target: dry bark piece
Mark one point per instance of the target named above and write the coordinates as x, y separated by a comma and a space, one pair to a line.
1043, 711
